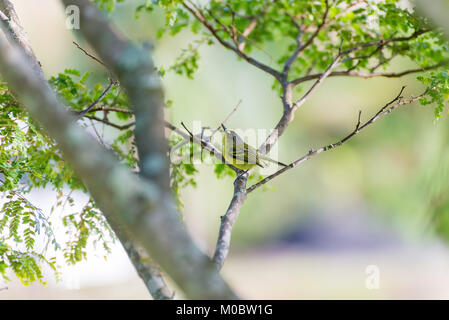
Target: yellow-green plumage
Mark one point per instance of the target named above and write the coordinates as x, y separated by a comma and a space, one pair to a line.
240, 154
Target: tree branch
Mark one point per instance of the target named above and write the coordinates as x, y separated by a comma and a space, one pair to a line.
89, 108
379, 44
289, 108
205, 144
111, 124
16, 34
384, 42
239, 196
369, 75
148, 272
288, 105
200, 17
122, 197
228, 220
134, 68
320, 27
317, 83
111, 109
295, 54
246, 33
90, 55
388, 108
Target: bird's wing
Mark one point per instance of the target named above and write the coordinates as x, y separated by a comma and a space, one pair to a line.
245, 153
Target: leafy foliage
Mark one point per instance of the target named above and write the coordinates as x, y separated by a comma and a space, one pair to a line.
107, 5
438, 91
187, 62
83, 226
31, 160
265, 26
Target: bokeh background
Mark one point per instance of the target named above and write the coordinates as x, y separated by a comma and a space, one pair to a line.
381, 199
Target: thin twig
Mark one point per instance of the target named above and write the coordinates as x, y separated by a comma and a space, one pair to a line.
185, 127
369, 75
226, 119
111, 124
317, 83
379, 43
113, 109
89, 108
112, 82
295, 54
96, 132
90, 55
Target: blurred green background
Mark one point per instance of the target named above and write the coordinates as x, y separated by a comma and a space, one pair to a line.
381, 199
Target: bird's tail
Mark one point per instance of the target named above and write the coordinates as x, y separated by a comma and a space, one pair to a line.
265, 158
281, 164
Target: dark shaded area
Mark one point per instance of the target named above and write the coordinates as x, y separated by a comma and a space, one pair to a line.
352, 229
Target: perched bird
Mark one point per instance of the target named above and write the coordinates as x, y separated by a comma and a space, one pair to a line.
240, 154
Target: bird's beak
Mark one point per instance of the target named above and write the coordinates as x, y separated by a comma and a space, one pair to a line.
224, 128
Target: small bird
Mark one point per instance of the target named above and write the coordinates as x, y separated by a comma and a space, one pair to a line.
240, 154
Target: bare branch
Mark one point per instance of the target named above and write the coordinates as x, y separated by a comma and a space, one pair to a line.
89, 54
111, 124
246, 33
111, 109
205, 144
228, 220
226, 119
295, 54
388, 108
148, 271
89, 108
